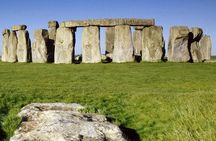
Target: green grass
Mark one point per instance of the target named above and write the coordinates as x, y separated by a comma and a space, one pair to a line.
161, 101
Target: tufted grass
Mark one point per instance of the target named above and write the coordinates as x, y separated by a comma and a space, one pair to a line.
161, 101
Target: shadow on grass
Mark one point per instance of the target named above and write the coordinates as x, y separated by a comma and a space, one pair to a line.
2, 134
130, 134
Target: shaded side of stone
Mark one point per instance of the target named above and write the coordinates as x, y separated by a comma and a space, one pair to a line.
53, 26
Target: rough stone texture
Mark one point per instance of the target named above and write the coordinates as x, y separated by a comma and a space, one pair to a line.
139, 27
19, 27
110, 38
53, 26
39, 46
23, 46
63, 122
5, 43
64, 48
205, 47
153, 49
178, 44
194, 38
123, 45
137, 42
108, 22
12, 47
91, 45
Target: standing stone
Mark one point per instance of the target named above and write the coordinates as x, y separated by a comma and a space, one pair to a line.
153, 49
53, 26
137, 41
64, 47
110, 38
123, 45
24, 46
12, 47
5, 41
194, 38
91, 45
178, 50
205, 47
39, 46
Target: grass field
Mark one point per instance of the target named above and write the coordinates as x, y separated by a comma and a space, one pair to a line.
161, 101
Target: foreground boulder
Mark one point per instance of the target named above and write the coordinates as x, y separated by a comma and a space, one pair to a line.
205, 47
63, 122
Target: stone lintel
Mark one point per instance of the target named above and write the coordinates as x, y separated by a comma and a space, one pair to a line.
108, 22
19, 27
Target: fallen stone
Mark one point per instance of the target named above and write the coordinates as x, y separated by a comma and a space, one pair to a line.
5, 44
123, 45
19, 27
63, 122
178, 50
64, 47
39, 46
153, 49
110, 38
91, 45
108, 22
23, 47
205, 47
12, 47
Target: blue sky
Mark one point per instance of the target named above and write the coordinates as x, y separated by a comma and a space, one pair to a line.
36, 13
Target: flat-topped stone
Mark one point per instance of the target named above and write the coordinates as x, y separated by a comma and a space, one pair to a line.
19, 27
108, 22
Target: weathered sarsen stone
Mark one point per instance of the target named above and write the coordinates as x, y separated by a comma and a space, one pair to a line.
205, 47
53, 26
12, 47
23, 46
19, 27
108, 22
123, 46
5, 44
195, 36
153, 49
91, 45
178, 50
137, 42
63, 122
110, 38
64, 47
39, 46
